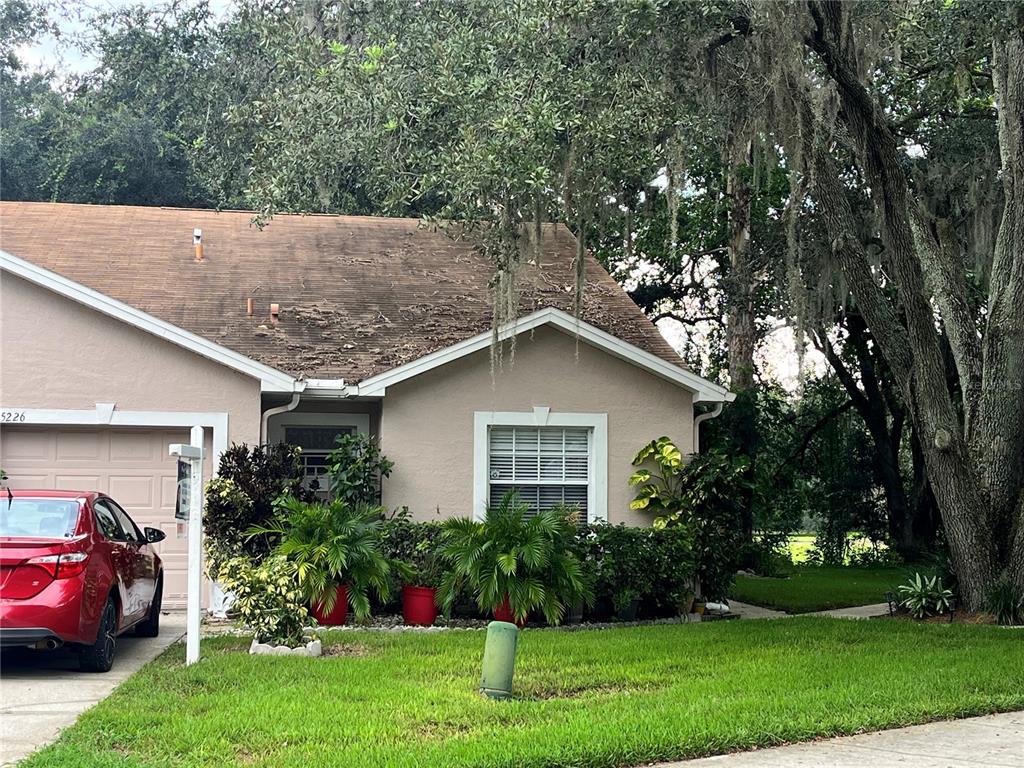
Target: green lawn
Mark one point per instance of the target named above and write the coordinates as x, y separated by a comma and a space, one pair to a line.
819, 588
588, 698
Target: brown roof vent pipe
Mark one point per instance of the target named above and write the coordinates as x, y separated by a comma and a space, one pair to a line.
275, 314
197, 241
249, 309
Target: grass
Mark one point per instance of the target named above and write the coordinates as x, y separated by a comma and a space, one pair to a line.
587, 698
819, 588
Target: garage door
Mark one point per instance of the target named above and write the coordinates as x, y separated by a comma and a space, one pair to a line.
131, 465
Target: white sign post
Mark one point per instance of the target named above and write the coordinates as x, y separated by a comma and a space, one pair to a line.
194, 454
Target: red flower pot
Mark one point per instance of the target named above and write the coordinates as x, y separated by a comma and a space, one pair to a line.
503, 612
419, 605
337, 615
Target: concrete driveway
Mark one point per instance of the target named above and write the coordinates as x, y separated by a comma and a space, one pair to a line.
41, 693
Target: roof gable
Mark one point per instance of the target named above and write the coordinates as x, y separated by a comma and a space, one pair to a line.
269, 377
703, 390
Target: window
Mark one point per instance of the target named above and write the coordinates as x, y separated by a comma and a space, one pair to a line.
127, 524
548, 466
48, 518
316, 444
107, 522
548, 459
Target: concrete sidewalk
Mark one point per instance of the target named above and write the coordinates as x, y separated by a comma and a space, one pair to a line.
41, 693
747, 611
994, 741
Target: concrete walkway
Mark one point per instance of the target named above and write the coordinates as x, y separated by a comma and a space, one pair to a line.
747, 611
41, 693
992, 741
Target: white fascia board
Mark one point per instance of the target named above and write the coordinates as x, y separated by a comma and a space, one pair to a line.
703, 390
272, 379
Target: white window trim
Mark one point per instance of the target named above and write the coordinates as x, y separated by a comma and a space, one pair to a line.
278, 422
597, 489
107, 415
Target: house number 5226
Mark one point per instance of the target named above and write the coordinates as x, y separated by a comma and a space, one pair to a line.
12, 417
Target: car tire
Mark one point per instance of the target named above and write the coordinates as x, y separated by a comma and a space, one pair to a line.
99, 657
150, 626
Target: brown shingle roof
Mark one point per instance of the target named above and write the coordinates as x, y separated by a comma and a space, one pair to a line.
358, 295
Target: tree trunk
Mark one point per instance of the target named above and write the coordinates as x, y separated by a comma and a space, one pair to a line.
976, 473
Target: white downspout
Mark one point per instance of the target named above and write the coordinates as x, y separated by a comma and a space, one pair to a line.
274, 411
704, 417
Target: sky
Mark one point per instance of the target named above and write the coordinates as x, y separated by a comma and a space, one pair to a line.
59, 54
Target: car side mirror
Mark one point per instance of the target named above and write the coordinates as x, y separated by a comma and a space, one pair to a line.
153, 535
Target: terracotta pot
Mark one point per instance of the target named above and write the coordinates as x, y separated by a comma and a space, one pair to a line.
337, 615
503, 612
419, 605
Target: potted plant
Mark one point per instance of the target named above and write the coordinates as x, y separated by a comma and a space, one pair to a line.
421, 576
336, 548
514, 563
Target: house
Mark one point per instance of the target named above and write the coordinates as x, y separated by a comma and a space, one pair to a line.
121, 327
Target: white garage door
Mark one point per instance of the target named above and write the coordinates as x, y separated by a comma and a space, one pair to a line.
131, 465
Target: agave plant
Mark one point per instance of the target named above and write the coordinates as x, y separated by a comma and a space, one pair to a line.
509, 555
332, 544
925, 596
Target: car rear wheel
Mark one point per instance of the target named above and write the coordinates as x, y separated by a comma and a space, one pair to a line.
99, 657
150, 626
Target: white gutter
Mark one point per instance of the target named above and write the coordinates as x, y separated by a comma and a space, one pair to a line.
274, 411
697, 422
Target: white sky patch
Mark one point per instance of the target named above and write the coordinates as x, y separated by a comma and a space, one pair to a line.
62, 53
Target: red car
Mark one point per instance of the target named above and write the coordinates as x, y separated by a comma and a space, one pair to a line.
75, 570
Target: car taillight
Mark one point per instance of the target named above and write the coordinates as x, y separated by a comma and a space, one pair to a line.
65, 565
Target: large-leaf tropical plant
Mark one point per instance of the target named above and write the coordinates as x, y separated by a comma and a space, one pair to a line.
510, 555
332, 544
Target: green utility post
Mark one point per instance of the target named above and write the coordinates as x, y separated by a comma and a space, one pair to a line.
499, 660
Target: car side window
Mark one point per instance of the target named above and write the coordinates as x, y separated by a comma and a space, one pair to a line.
107, 521
127, 524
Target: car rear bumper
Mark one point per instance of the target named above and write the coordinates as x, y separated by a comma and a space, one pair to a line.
56, 610
27, 636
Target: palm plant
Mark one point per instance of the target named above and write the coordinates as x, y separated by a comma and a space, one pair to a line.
509, 556
332, 544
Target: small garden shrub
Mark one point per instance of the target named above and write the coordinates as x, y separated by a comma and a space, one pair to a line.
356, 468
249, 483
1006, 602
415, 545
650, 566
925, 596
268, 598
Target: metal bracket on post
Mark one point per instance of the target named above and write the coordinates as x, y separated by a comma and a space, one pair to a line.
194, 454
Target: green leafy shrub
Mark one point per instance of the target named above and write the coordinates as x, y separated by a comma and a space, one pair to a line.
528, 560
1006, 601
249, 482
653, 566
925, 596
268, 598
355, 469
415, 545
704, 494
330, 545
